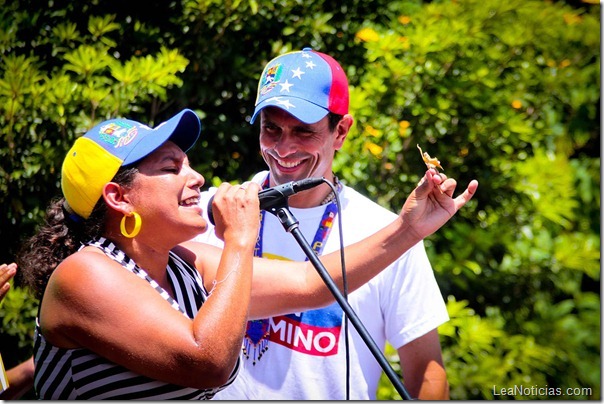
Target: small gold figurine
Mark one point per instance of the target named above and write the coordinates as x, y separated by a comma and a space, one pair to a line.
430, 162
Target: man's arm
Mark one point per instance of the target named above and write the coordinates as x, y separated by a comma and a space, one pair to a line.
422, 368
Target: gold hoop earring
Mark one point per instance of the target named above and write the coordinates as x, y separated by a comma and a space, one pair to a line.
137, 225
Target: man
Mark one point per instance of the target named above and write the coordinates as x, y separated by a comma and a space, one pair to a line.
302, 103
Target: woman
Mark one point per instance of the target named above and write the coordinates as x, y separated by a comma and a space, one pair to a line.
131, 309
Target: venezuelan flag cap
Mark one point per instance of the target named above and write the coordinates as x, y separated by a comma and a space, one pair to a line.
95, 158
307, 84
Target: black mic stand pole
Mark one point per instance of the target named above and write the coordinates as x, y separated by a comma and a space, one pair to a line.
291, 225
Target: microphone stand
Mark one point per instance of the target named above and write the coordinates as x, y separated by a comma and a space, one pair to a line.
291, 225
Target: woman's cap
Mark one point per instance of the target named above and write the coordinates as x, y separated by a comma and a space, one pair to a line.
95, 158
307, 84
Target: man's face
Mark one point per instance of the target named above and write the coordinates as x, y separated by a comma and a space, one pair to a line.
295, 150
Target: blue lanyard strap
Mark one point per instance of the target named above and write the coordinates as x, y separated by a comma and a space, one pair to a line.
257, 333
325, 226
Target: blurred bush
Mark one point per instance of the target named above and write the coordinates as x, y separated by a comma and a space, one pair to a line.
507, 93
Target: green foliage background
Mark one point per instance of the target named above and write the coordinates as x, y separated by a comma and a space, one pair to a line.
504, 92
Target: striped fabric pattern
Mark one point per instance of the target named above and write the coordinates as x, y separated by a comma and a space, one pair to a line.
70, 374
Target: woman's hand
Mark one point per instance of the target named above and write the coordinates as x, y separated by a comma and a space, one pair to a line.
431, 204
236, 212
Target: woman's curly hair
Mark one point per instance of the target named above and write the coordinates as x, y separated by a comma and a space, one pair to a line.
61, 235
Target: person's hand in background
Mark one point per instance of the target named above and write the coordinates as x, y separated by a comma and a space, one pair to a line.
7, 272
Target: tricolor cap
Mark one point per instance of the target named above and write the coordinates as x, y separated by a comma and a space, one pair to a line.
307, 84
96, 157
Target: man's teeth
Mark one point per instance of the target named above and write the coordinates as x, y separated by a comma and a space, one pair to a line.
288, 165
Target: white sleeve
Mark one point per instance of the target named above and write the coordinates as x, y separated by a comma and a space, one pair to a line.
412, 303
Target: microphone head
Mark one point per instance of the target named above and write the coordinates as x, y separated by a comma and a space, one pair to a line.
272, 196
308, 183
209, 210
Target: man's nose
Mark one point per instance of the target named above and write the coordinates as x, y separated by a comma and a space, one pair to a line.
286, 144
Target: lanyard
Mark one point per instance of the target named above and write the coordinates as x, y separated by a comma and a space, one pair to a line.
257, 333
325, 226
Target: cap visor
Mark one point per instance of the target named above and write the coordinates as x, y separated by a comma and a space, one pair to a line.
183, 129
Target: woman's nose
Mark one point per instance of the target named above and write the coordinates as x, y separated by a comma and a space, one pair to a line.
197, 180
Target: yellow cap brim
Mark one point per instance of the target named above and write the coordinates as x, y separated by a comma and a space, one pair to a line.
82, 190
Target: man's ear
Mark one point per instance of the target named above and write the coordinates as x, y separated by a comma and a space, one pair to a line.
116, 198
342, 130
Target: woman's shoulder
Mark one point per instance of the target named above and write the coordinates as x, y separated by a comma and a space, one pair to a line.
79, 284
84, 260
84, 271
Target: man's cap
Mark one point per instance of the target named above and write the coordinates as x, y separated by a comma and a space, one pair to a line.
95, 158
307, 84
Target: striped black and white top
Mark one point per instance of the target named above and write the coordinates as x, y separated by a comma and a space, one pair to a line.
69, 374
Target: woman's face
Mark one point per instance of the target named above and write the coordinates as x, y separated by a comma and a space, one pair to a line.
165, 193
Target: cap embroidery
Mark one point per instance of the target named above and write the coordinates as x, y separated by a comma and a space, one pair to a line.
285, 86
284, 103
118, 133
270, 79
297, 73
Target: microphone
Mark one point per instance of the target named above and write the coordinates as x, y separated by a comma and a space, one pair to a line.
275, 196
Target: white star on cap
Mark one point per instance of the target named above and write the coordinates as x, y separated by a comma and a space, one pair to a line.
297, 73
310, 64
306, 55
284, 103
285, 86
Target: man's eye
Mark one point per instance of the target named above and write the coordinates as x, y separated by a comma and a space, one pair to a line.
305, 132
171, 169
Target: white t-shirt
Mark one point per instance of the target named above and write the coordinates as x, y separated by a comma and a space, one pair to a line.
305, 355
